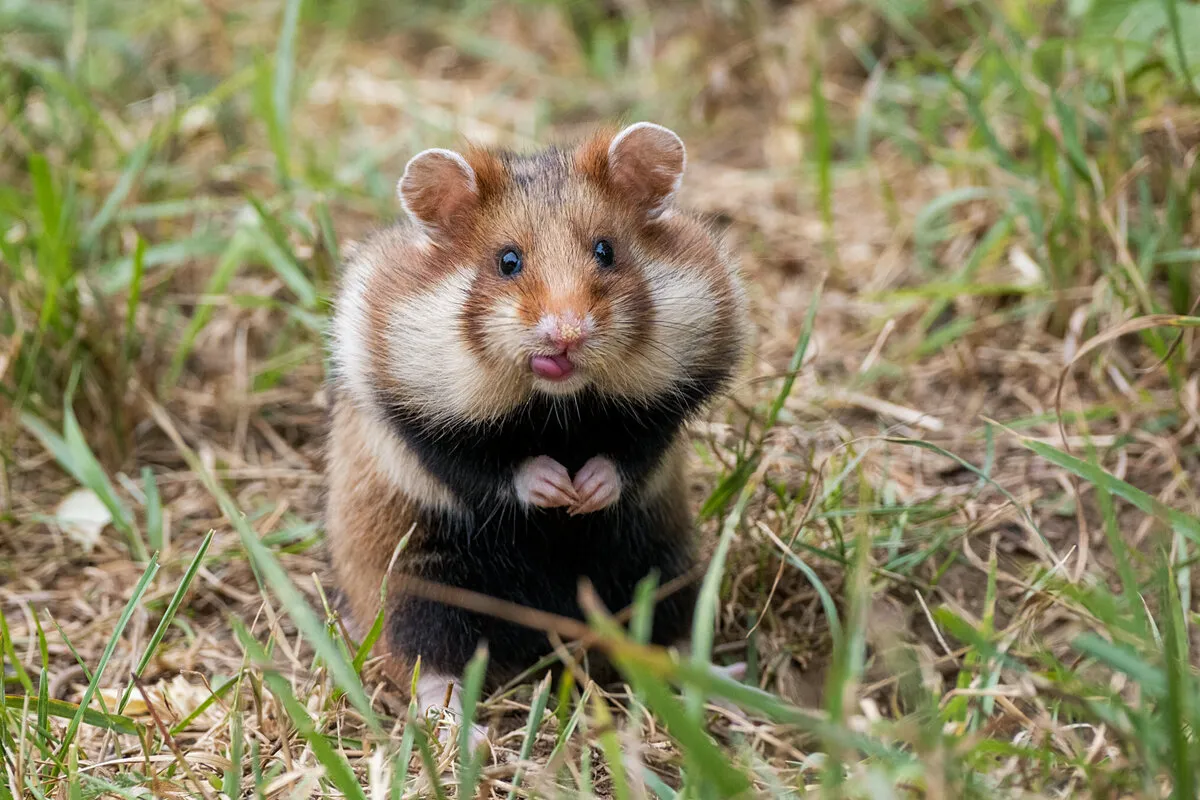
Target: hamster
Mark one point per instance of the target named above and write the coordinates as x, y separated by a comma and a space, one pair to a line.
512, 370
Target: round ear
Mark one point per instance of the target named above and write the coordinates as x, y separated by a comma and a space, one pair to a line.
438, 186
645, 165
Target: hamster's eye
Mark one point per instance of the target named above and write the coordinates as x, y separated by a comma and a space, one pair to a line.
602, 250
509, 261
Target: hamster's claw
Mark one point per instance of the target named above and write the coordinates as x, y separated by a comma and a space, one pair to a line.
597, 484
545, 483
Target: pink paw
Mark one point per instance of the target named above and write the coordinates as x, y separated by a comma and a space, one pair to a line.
545, 483
597, 484
734, 672
439, 699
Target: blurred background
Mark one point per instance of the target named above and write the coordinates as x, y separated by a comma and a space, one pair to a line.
938, 205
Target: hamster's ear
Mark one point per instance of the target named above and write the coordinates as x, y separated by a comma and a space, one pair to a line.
644, 164
438, 186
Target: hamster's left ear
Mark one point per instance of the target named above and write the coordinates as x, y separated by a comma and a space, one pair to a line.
438, 188
643, 164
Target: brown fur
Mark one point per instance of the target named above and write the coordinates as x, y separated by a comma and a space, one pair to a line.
367, 515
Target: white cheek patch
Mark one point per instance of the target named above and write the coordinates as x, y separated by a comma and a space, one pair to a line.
506, 334
429, 357
680, 336
685, 309
425, 350
351, 359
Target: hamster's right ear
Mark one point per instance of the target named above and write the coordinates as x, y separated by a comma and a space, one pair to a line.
437, 187
644, 164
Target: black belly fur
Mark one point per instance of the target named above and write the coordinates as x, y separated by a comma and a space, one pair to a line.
536, 558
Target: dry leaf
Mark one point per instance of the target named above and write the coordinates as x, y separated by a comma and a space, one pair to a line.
82, 516
173, 699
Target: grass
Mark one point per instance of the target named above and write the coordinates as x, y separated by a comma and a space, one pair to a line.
953, 509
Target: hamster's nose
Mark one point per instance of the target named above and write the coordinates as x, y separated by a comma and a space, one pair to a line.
564, 331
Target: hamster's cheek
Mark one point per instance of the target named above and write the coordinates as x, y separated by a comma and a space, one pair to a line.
501, 335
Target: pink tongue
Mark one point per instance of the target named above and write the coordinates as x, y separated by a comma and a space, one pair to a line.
551, 367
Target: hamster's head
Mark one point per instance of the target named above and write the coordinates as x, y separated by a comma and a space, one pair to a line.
552, 273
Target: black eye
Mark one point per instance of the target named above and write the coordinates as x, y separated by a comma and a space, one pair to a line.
603, 252
509, 261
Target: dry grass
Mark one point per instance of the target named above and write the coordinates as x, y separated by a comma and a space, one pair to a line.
915, 558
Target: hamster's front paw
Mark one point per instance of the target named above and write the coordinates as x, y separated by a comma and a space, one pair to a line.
545, 483
598, 485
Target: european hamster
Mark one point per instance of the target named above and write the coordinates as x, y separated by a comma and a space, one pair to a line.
513, 367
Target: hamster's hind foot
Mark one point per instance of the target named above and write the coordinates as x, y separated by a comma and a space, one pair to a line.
442, 694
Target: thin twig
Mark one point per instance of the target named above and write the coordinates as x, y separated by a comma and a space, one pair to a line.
170, 740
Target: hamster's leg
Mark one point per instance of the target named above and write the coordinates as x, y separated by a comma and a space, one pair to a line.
598, 485
438, 692
545, 483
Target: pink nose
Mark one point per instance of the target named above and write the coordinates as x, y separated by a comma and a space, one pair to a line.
566, 332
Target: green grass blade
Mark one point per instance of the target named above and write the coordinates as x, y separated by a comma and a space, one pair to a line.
131, 306
1185, 70
1183, 523
117, 275
74, 788
94, 684
10, 653
541, 697
337, 769
403, 758
1122, 659
827, 602
470, 763
704, 622
368, 643
796, 361
231, 784
732, 483
172, 608
218, 692
702, 754
610, 745
967, 465
284, 262
271, 575
133, 169
43, 712
823, 152
72, 453
281, 88
231, 260
328, 234
427, 760
1181, 687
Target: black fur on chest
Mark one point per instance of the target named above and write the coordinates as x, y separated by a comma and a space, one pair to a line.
536, 557
475, 459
